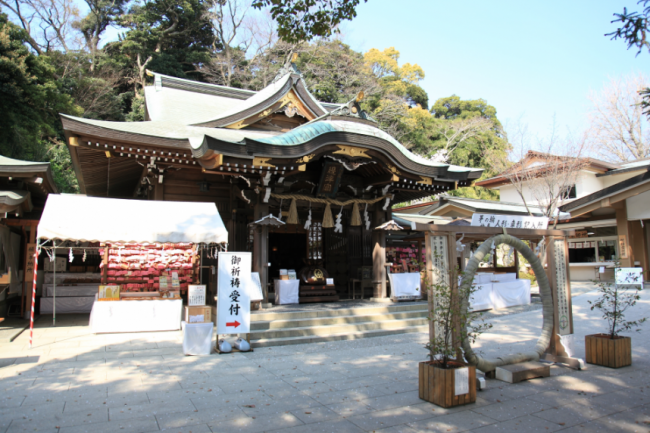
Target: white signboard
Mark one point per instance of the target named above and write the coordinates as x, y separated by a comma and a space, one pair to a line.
629, 276
234, 281
195, 295
509, 221
255, 289
461, 381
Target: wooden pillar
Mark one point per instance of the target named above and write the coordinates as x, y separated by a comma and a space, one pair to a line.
429, 280
261, 248
378, 253
158, 190
453, 287
637, 244
25, 306
624, 250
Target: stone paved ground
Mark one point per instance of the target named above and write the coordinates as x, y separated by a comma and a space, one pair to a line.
73, 381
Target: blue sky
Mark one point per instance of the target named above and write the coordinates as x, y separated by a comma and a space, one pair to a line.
531, 59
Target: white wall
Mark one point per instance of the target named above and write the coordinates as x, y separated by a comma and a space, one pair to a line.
638, 206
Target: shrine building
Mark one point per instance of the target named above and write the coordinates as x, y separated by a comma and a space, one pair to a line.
296, 181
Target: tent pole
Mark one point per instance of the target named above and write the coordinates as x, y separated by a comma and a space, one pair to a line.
31, 321
54, 287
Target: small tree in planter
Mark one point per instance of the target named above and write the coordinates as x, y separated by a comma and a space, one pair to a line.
612, 349
440, 376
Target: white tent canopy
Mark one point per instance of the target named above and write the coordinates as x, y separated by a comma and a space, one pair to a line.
95, 219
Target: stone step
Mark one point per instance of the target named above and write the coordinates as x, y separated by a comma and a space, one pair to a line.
268, 342
337, 329
268, 315
335, 320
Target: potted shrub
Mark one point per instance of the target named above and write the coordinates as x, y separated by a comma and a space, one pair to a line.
445, 379
611, 349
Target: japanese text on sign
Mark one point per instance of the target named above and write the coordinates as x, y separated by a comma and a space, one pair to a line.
330, 177
563, 298
233, 302
509, 221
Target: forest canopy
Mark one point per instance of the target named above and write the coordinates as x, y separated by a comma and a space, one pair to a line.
54, 59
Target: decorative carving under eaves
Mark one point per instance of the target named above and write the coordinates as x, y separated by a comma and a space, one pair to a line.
290, 110
393, 169
262, 162
349, 165
354, 152
305, 159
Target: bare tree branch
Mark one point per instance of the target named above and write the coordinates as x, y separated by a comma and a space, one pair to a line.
618, 129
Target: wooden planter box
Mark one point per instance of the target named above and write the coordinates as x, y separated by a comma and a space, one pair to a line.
602, 350
438, 385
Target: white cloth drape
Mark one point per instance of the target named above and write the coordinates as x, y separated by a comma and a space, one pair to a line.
135, 316
407, 284
197, 338
287, 292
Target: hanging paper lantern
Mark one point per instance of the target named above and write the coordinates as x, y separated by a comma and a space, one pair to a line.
328, 221
293, 213
356, 217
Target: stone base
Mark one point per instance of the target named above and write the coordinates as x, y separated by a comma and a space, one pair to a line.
387, 300
523, 371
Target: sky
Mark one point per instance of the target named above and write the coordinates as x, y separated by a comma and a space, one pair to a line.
532, 61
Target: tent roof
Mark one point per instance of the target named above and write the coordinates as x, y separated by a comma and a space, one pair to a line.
77, 217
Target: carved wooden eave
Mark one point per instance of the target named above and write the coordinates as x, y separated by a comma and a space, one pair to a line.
289, 92
390, 226
269, 220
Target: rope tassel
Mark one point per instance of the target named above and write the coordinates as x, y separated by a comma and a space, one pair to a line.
293, 213
328, 221
356, 216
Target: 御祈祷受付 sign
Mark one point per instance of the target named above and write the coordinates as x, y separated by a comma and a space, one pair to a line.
233, 300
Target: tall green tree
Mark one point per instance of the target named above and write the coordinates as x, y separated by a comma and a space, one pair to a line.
304, 20
31, 98
168, 36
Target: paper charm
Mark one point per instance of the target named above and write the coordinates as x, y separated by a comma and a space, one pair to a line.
71, 256
308, 222
84, 257
366, 217
338, 225
459, 246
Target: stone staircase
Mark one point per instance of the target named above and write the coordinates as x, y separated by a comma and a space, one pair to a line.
313, 326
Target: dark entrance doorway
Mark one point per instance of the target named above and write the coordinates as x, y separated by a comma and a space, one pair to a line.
286, 251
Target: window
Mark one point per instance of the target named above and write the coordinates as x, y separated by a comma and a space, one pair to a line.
607, 250
582, 252
315, 246
588, 250
570, 192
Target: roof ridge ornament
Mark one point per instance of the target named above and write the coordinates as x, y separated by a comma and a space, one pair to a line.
353, 109
288, 67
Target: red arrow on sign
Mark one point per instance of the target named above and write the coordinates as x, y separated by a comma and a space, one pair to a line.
235, 323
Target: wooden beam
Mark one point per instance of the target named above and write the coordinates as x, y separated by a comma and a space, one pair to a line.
630, 193
377, 180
